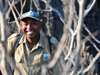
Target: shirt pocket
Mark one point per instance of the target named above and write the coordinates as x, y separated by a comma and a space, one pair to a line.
18, 56
36, 60
45, 59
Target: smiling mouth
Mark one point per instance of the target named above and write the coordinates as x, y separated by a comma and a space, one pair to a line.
30, 32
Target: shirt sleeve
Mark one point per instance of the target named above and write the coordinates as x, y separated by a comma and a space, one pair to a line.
10, 46
11, 41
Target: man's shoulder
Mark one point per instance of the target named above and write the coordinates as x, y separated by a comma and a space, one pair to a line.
54, 41
13, 36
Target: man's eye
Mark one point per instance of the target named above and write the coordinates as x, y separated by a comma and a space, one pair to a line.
33, 23
25, 24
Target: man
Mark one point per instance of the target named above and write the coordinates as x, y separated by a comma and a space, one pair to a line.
28, 49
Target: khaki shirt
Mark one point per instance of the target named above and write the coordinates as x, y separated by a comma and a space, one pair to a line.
29, 61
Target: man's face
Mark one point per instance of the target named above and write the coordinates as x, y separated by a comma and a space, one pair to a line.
31, 27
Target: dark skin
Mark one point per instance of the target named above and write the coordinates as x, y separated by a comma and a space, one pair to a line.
31, 28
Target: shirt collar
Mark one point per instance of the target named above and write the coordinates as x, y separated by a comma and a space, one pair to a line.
23, 39
39, 43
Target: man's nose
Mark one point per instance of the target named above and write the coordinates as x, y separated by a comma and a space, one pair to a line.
29, 25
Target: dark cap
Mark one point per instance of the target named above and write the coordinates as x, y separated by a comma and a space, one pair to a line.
31, 14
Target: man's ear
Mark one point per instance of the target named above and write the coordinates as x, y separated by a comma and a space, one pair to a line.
21, 24
41, 24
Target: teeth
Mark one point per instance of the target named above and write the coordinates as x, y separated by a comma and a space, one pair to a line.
30, 32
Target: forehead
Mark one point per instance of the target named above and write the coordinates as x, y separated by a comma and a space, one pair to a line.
29, 19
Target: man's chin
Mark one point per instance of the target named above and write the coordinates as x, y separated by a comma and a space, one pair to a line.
30, 37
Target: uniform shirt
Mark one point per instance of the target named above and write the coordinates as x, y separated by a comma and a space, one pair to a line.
29, 61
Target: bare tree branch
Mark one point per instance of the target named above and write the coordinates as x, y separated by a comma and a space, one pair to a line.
19, 29
92, 62
22, 6
98, 41
90, 6
79, 31
72, 56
